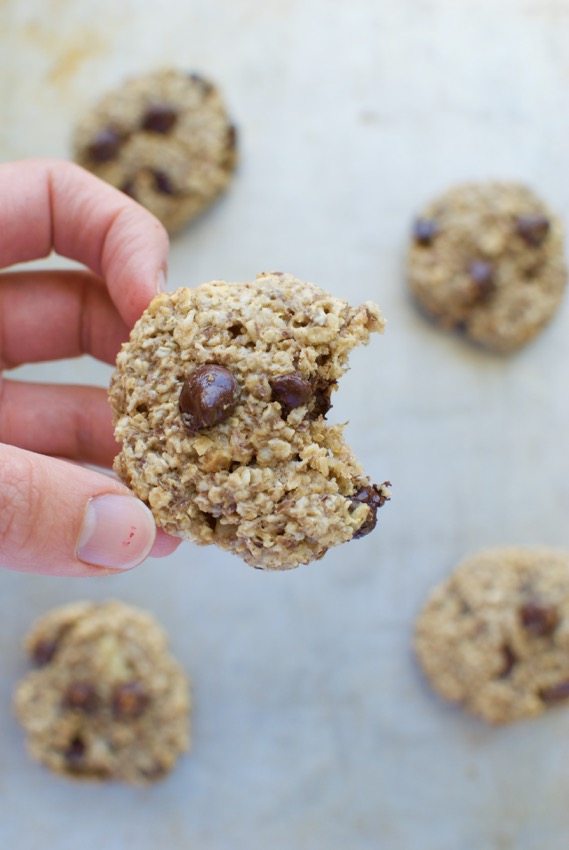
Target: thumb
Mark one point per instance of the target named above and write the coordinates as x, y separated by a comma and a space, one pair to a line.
58, 518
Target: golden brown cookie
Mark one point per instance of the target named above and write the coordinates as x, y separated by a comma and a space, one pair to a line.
219, 402
494, 636
108, 700
165, 139
488, 259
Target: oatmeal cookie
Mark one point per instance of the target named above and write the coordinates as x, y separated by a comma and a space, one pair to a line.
107, 701
488, 259
495, 636
165, 139
219, 401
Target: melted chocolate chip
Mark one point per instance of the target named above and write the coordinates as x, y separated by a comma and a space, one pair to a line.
481, 274
81, 696
236, 330
130, 700
209, 518
291, 390
424, 231
555, 693
105, 145
162, 183
374, 498
533, 229
537, 619
509, 661
43, 651
209, 396
321, 403
75, 753
159, 118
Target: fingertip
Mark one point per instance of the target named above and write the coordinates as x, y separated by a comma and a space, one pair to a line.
97, 224
164, 545
134, 260
49, 203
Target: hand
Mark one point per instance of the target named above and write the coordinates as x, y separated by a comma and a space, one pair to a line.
58, 517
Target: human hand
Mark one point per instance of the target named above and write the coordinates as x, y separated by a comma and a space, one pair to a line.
58, 517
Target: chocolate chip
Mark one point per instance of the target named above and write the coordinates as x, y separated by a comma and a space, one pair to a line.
533, 228
481, 274
509, 661
291, 390
105, 145
236, 330
81, 696
321, 404
209, 518
159, 118
424, 231
75, 752
130, 700
555, 693
538, 619
209, 396
374, 498
43, 651
200, 81
162, 183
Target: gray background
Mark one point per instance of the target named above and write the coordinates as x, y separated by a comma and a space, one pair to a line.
312, 727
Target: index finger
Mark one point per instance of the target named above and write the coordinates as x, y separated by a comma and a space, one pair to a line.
54, 204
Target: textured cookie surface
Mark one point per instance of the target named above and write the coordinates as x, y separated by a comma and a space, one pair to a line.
495, 635
108, 700
165, 139
270, 480
488, 259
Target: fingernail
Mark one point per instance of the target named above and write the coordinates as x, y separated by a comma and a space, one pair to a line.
161, 281
117, 532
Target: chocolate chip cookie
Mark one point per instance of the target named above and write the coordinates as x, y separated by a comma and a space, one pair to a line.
495, 636
107, 701
488, 259
219, 402
163, 138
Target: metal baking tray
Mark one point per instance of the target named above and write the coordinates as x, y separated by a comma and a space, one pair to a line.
312, 726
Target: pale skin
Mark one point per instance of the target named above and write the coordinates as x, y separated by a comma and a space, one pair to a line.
52, 519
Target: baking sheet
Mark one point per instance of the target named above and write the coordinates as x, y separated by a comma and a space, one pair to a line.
312, 727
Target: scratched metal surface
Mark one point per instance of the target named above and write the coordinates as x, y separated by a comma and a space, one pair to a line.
312, 728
